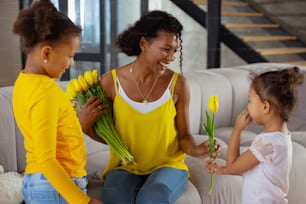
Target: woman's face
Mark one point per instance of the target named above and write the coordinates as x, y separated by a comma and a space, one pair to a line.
162, 50
255, 106
61, 56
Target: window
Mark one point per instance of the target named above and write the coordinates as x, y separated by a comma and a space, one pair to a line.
100, 20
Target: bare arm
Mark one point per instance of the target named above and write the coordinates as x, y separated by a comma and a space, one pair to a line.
236, 163
186, 140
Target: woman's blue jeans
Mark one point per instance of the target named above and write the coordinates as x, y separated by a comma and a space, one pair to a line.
36, 189
162, 186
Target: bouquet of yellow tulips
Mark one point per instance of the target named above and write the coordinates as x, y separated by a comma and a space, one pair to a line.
84, 87
213, 106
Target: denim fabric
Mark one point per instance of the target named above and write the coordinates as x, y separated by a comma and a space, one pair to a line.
162, 186
36, 189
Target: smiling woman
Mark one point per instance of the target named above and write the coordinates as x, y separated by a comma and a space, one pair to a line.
157, 132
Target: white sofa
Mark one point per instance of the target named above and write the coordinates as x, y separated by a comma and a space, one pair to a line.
231, 85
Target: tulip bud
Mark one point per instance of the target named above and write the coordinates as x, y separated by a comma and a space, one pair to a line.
82, 83
75, 85
95, 75
88, 78
213, 104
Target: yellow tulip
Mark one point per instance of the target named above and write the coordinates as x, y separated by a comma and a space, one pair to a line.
94, 75
88, 78
82, 83
75, 85
213, 104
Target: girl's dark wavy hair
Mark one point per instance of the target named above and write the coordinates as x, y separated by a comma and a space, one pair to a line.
279, 89
148, 27
42, 22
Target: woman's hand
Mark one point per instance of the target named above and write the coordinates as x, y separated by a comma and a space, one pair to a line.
202, 150
89, 113
94, 201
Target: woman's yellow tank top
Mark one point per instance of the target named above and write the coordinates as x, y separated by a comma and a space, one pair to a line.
150, 137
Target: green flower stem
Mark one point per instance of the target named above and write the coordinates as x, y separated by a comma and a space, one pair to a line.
211, 184
209, 128
105, 127
211, 151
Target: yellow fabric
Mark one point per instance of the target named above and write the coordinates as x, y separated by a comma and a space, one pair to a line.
54, 144
151, 137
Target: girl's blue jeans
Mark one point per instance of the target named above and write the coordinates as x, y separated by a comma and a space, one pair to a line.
162, 186
36, 189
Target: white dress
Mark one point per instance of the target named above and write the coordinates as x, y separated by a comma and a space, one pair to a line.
268, 182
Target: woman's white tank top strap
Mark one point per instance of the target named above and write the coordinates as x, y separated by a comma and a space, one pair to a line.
142, 107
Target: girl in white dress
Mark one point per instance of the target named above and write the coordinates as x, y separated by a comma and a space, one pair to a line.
265, 165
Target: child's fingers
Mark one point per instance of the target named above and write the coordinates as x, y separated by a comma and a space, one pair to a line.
211, 167
210, 170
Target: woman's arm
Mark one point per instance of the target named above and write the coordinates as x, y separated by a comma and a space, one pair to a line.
186, 140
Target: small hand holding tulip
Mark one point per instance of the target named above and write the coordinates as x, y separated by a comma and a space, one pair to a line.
213, 106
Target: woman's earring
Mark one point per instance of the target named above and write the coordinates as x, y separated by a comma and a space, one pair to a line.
45, 61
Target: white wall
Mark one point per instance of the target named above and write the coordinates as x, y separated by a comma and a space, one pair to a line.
10, 57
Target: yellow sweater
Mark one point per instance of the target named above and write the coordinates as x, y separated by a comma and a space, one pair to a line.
53, 137
151, 137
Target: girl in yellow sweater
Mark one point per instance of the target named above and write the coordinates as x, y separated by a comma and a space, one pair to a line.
53, 139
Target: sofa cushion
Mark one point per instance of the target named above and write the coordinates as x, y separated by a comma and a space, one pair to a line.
190, 195
296, 194
225, 134
240, 82
195, 104
299, 137
202, 85
227, 188
8, 156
